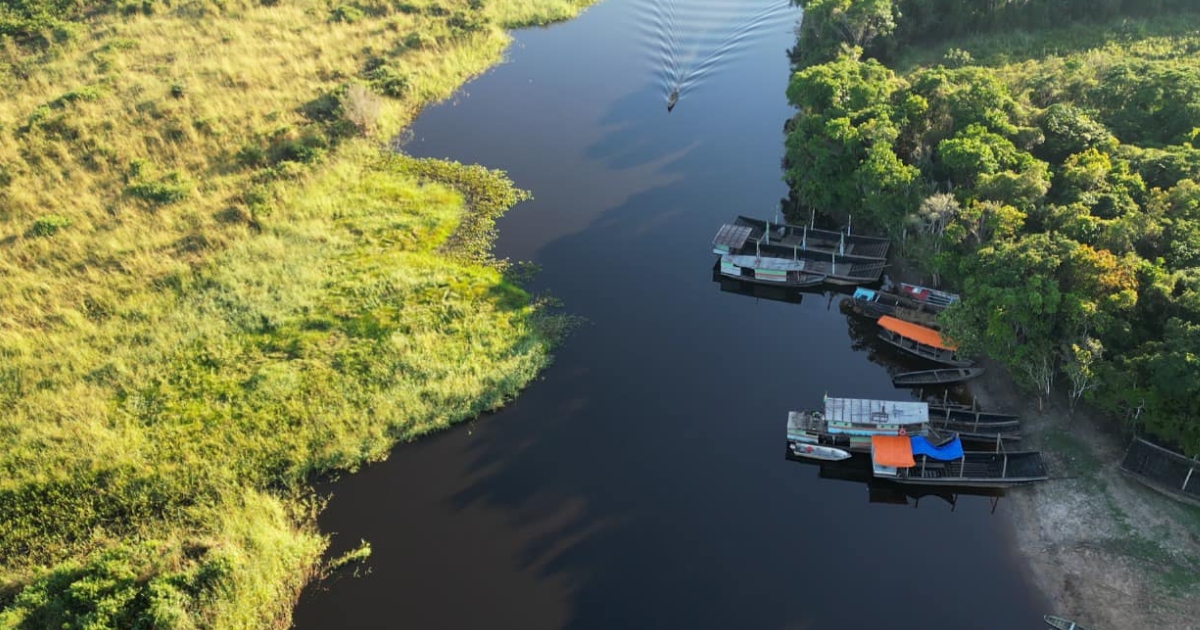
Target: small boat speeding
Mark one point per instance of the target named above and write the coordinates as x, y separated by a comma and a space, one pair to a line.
672, 99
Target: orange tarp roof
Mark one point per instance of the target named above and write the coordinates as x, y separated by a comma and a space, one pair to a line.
892, 450
921, 334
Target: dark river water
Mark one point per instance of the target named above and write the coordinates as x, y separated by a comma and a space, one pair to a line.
642, 483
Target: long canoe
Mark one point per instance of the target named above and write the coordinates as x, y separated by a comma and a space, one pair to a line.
967, 416
1061, 624
941, 376
976, 469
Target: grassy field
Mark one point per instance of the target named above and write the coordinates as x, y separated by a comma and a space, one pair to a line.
216, 284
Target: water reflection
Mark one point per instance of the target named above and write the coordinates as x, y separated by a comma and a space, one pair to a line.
636, 483
857, 470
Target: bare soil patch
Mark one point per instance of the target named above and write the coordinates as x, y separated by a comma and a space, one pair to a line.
1107, 551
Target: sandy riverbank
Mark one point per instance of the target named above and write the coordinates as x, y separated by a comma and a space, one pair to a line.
1106, 551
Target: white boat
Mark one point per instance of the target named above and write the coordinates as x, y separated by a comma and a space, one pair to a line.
816, 451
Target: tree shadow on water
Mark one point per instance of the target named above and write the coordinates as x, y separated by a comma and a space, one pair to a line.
610, 468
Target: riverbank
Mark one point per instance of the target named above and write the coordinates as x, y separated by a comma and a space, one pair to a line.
1105, 550
219, 285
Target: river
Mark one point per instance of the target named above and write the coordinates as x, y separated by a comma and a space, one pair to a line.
642, 483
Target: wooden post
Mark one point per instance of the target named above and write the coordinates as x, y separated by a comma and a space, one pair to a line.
1004, 469
1186, 479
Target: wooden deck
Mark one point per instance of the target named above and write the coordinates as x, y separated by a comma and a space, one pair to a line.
848, 246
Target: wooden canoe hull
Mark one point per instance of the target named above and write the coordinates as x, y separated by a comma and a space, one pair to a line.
941, 376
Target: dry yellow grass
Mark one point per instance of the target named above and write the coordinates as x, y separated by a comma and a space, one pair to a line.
216, 283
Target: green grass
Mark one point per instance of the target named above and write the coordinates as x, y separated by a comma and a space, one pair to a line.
1179, 576
1079, 458
216, 286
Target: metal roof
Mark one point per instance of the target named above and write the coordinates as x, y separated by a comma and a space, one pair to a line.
732, 236
866, 411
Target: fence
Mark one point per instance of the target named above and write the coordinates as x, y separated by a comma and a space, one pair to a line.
1166, 471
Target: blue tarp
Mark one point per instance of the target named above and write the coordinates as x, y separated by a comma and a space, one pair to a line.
946, 452
864, 294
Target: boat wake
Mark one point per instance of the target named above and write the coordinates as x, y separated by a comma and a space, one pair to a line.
688, 42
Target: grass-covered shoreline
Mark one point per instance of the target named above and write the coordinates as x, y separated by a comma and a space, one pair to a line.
217, 284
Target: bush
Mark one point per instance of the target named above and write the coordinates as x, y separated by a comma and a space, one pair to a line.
345, 13
388, 81
418, 40
170, 189
48, 224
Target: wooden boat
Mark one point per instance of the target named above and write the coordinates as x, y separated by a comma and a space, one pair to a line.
736, 240
920, 341
927, 295
858, 470
816, 451
967, 416
672, 99
984, 435
780, 272
1061, 624
842, 245
893, 457
849, 423
875, 304
940, 376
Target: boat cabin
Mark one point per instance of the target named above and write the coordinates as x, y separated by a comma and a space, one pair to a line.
924, 342
851, 422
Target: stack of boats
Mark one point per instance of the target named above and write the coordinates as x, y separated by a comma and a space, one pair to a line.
908, 320
907, 442
894, 434
759, 252
778, 254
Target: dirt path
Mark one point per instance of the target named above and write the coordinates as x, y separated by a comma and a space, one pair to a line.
1107, 552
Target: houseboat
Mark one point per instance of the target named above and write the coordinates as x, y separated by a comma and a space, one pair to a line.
849, 423
919, 340
780, 272
894, 457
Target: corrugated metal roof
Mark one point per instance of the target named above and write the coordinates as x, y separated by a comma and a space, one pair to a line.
732, 236
756, 262
867, 411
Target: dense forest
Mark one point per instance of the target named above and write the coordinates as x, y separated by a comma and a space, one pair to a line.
218, 284
1040, 156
